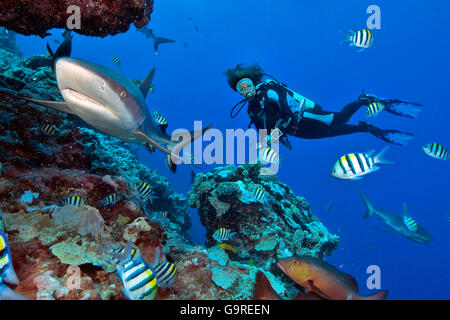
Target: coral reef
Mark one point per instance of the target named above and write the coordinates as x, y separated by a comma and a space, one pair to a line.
280, 226
98, 18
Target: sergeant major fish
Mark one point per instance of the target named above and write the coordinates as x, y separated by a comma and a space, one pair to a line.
359, 38
355, 165
7, 273
76, 201
437, 151
111, 199
223, 234
138, 278
374, 109
48, 129
165, 273
259, 194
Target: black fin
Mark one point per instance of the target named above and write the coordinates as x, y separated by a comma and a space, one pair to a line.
146, 85
64, 49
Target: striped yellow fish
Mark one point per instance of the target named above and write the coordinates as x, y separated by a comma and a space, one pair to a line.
48, 129
359, 38
159, 118
259, 194
437, 151
410, 223
165, 273
223, 234
111, 199
374, 109
116, 61
354, 165
74, 201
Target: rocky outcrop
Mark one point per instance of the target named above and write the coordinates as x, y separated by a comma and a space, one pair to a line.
280, 225
98, 17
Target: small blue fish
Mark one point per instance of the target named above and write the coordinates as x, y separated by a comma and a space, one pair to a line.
111, 199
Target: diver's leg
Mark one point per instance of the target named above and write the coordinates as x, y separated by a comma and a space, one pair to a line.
347, 112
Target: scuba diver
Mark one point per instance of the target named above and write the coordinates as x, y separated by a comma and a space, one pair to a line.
272, 105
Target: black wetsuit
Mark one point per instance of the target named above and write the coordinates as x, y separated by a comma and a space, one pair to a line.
272, 107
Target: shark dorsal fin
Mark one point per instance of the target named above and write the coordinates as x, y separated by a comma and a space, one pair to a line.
146, 85
405, 210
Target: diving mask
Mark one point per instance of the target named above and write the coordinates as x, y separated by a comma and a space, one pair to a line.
246, 87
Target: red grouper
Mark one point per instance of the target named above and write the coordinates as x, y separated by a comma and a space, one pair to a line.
323, 279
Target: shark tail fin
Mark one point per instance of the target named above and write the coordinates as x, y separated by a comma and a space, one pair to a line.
370, 208
379, 158
176, 146
381, 295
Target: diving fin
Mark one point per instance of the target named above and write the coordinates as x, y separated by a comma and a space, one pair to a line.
57, 105
396, 137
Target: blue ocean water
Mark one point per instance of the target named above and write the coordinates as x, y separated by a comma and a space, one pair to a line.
299, 43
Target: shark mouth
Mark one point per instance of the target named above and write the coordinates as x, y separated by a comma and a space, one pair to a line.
94, 105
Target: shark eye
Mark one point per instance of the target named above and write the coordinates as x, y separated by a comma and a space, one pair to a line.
123, 94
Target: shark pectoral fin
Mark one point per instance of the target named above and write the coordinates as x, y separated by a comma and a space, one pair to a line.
186, 138
57, 105
142, 136
405, 210
147, 83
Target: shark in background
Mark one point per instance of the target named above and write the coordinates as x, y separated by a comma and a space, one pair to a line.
113, 104
400, 224
156, 40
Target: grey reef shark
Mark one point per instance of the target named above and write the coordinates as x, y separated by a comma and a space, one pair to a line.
113, 104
